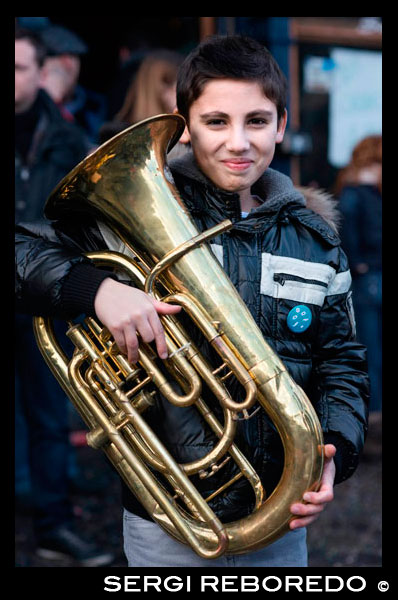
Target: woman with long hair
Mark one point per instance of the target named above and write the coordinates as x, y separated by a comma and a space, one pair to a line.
151, 92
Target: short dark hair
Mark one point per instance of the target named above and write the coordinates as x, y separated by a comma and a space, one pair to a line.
35, 41
230, 57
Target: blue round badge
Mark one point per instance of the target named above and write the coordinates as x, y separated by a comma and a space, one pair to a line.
299, 318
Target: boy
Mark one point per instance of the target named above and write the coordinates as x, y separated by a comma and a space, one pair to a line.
280, 254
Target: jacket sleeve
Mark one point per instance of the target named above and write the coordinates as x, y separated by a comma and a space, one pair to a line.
340, 378
53, 277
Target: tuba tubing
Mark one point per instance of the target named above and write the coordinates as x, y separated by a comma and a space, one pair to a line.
126, 185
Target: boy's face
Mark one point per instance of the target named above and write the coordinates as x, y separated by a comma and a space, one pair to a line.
233, 129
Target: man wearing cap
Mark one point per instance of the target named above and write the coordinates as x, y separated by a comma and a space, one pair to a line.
60, 78
46, 147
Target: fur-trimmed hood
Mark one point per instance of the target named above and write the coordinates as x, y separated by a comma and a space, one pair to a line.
323, 204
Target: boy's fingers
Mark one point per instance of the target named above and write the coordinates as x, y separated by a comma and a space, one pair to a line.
297, 523
320, 497
132, 344
306, 509
166, 309
159, 335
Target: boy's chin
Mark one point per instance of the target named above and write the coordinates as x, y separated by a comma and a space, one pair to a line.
239, 185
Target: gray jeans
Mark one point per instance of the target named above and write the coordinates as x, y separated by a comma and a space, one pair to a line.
147, 545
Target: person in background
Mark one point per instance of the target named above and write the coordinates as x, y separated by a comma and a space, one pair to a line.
46, 148
359, 189
60, 78
133, 47
152, 92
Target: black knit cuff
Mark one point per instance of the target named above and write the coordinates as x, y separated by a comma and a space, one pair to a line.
341, 458
80, 288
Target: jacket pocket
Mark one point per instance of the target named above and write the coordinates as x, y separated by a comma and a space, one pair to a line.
290, 292
300, 289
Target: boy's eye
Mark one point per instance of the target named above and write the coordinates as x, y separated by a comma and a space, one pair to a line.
257, 121
216, 122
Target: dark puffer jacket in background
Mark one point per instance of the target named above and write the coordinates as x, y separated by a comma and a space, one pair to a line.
283, 254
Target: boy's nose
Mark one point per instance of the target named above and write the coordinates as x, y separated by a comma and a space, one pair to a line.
237, 140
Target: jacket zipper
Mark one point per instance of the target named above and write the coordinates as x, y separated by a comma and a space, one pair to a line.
282, 277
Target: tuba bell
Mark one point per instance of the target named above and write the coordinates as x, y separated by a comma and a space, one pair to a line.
125, 184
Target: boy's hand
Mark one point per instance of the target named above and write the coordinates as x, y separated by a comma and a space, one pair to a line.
315, 502
125, 311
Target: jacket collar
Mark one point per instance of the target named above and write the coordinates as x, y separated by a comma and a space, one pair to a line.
274, 188
314, 209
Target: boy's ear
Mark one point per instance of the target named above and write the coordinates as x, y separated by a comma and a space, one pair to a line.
281, 128
185, 138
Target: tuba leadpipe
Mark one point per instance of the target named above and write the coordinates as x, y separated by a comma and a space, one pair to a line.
125, 184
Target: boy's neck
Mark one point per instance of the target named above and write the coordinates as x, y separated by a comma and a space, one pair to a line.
247, 201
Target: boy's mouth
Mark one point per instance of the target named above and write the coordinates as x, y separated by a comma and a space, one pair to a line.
237, 164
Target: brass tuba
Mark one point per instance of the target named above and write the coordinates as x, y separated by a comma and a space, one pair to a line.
125, 183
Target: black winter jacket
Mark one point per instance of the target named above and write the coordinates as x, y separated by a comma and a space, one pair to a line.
283, 254
57, 146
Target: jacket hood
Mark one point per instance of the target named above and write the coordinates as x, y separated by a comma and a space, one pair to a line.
274, 187
323, 204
